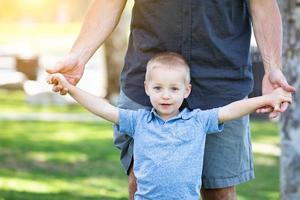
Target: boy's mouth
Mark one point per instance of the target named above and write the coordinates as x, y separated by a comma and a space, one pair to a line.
165, 104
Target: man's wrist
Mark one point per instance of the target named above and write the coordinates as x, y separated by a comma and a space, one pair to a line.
268, 70
82, 56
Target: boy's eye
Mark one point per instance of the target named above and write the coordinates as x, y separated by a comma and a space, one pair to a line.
156, 88
174, 89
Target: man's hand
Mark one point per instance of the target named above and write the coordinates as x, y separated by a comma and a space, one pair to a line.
71, 68
272, 80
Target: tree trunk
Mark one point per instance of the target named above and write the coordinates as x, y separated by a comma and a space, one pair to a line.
115, 49
290, 120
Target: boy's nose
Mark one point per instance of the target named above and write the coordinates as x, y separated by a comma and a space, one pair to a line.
165, 95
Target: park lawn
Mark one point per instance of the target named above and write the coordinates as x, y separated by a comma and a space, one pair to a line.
44, 160
77, 161
15, 102
266, 184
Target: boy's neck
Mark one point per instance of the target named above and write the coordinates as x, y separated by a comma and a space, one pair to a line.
168, 117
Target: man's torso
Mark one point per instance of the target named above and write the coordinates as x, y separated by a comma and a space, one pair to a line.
213, 36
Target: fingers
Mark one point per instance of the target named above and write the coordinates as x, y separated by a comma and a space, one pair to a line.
74, 79
273, 111
277, 108
56, 80
277, 79
56, 69
60, 89
281, 82
266, 109
284, 106
60, 67
274, 114
288, 87
286, 99
51, 70
51, 80
64, 91
56, 88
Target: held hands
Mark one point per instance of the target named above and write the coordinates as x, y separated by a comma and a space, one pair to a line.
60, 83
71, 68
278, 98
271, 81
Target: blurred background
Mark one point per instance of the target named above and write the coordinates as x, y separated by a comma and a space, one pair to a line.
50, 148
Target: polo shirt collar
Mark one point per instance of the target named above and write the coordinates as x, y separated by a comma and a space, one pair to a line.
184, 114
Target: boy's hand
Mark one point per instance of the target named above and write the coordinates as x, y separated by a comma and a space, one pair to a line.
59, 82
278, 97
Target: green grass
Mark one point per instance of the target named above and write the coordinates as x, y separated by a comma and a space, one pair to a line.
44, 160
15, 102
52, 161
266, 184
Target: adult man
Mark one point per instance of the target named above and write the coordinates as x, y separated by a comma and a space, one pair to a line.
214, 38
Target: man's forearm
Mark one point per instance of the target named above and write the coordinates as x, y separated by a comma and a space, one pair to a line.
267, 26
100, 20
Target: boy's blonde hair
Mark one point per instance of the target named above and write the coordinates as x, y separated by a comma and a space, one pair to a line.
169, 60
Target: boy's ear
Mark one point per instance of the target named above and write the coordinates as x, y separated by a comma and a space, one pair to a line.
188, 90
146, 87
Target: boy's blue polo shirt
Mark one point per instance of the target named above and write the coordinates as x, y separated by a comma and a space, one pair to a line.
168, 154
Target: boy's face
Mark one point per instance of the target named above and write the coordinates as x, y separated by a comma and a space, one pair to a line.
167, 89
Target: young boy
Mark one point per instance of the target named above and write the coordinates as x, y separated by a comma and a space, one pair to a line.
169, 143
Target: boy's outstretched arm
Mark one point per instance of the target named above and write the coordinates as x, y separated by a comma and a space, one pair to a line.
243, 107
94, 104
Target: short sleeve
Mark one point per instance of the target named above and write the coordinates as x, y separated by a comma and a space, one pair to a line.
127, 121
209, 120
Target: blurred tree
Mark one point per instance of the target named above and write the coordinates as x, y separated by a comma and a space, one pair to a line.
115, 49
42, 10
290, 120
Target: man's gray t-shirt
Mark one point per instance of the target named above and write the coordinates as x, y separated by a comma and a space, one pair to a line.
168, 155
212, 35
